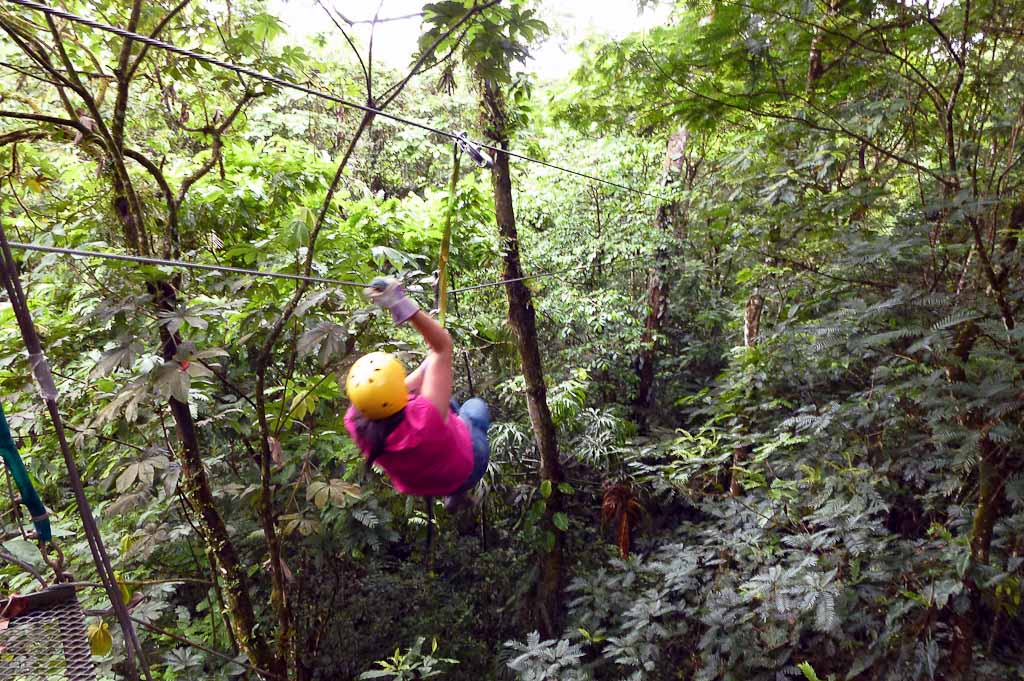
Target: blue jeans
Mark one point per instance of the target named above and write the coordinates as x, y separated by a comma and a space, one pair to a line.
477, 417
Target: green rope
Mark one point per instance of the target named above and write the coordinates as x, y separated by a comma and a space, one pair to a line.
28, 493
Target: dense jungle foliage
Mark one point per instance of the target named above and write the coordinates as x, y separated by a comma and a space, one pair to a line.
764, 423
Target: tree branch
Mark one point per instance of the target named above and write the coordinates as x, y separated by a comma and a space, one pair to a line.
41, 59
217, 146
10, 558
841, 129
990, 275
43, 118
156, 32
124, 77
165, 189
396, 89
348, 39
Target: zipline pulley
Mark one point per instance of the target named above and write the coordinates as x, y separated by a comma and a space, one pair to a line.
479, 156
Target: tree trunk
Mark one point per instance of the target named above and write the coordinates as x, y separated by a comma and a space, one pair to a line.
815, 61
991, 485
197, 484
522, 317
211, 523
657, 289
751, 330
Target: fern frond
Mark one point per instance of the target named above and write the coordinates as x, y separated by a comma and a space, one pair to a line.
955, 319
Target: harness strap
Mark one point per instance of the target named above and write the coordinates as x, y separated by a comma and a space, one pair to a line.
29, 497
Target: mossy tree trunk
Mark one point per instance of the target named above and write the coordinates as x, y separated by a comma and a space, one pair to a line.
522, 317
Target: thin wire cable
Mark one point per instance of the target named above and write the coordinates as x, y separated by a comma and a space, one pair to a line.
502, 282
281, 275
183, 264
153, 42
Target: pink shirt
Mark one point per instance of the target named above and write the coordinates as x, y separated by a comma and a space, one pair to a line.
423, 456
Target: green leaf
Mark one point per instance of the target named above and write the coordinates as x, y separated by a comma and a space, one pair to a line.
146, 472
172, 380
210, 353
23, 550
808, 671
328, 336
310, 302
561, 521
127, 478
198, 370
121, 357
175, 319
334, 492
171, 477
545, 488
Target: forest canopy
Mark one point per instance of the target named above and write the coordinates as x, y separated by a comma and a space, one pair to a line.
740, 290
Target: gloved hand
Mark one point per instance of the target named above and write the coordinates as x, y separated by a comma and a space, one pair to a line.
390, 294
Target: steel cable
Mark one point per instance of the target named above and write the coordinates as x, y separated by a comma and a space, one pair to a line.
183, 264
266, 77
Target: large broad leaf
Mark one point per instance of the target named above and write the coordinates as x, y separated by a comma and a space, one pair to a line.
128, 400
171, 476
297, 521
171, 379
142, 471
310, 302
175, 319
23, 550
328, 336
333, 492
120, 357
197, 370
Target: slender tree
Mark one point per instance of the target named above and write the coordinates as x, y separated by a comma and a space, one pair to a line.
665, 220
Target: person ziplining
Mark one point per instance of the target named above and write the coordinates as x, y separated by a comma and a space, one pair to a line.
409, 426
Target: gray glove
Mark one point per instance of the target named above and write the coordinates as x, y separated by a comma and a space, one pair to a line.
389, 293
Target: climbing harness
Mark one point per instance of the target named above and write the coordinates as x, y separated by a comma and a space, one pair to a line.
12, 459
42, 635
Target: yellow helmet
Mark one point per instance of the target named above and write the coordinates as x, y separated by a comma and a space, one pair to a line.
376, 385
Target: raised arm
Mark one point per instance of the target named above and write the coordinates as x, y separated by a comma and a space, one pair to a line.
434, 377
437, 378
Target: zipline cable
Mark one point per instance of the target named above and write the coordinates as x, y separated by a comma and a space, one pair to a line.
502, 282
280, 82
182, 264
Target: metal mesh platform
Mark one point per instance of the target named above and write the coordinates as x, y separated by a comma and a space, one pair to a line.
46, 639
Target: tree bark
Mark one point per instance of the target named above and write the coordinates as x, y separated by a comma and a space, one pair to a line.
522, 317
751, 330
657, 290
993, 468
214, 529
657, 310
